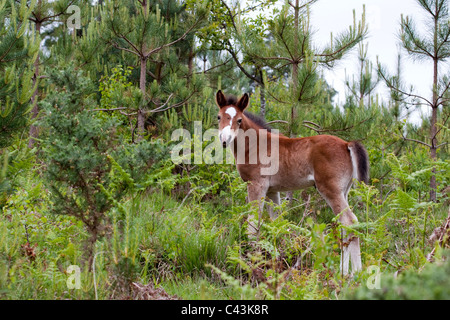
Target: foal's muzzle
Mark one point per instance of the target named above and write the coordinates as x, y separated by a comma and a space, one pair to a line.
225, 140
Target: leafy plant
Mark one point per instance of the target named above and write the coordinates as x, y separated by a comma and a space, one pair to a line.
429, 283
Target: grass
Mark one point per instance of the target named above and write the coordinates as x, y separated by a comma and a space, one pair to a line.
199, 288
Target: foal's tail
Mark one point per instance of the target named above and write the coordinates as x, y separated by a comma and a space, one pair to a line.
360, 161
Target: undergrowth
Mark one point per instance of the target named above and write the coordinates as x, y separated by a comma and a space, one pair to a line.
187, 236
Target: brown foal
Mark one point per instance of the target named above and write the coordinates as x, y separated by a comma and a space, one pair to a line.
271, 163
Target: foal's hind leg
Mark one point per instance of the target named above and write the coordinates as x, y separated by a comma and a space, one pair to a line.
350, 246
350, 249
275, 197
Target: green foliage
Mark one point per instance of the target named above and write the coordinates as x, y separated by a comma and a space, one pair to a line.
35, 247
269, 263
117, 91
430, 283
15, 162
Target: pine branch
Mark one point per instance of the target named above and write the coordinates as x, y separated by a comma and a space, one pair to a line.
286, 46
115, 45
62, 12
239, 65
444, 41
118, 34
173, 42
214, 67
11, 45
159, 109
277, 99
319, 129
151, 74
131, 44
162, 106
393, 87
441, 96
278, 121
108, 110
414, 140
410, 40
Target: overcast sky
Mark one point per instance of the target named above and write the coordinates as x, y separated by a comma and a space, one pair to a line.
383, 18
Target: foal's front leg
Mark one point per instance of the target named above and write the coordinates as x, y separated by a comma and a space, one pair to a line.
256, 193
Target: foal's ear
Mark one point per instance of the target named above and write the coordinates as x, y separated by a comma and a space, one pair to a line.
220, 99
243, 102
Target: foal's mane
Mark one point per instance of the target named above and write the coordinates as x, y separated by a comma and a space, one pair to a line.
258, 120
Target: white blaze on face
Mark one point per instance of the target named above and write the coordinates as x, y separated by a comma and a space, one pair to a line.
232, 112
227, 134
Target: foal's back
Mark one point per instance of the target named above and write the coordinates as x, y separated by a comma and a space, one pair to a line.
304, 160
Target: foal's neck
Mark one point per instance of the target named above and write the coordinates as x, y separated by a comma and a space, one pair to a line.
246, 125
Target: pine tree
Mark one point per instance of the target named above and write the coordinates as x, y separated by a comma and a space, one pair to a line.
220, 35
291, 45
17, 51
434, 47
364, 84
75, 39
44, 13
75, 147
149, 31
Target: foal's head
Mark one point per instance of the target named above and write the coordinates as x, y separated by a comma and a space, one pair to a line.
230, 116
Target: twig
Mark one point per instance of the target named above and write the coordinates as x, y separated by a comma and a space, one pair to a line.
163, 105
26, 232
128, 114
442, 144
158, 109
391, 86
305, 212
184, 199
112, 109
396, 267
414, 140
278, 121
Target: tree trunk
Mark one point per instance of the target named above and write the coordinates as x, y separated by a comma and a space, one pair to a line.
190, 65
262, 96
290, 194
142, 86
35, 110
433, 121
262, 100
433, 131
295, 68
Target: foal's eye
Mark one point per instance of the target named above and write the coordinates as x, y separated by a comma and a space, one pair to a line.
239, 121
218, 118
